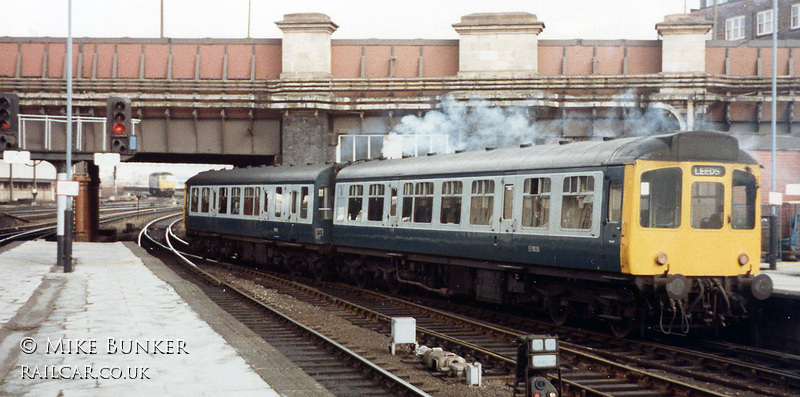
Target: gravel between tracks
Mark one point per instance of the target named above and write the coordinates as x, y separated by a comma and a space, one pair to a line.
368, 343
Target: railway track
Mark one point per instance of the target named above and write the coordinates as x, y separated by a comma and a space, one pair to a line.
340, 369
38, 230
596, 364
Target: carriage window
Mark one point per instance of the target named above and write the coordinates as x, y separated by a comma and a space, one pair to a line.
304, 203
278, 202
204, 199
223, 200
195, 194
375, 202
354, 203
341, 203
393, 203
451, 203
266, 202
324, 203
660, 198
481, 203
257, 201
707, 205
577, 202
408, 201
615, 201
536, 202
508, 202
423, 202
249, 198
236, 197
294, 201
744, 200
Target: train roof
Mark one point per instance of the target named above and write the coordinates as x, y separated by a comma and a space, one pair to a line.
680, 146
263, 174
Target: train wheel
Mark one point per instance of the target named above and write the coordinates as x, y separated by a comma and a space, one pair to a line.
318, 269
560, 314
622, 328
394, 286
362, 279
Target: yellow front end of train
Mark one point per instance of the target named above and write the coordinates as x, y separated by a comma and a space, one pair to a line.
691, 219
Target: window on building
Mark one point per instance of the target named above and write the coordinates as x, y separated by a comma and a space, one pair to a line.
451, 203
734, 28
764, 22
481, 203
204, 196
795, 16
223, 200
375, 202
577, 202
355, 202
707, 205
536, 202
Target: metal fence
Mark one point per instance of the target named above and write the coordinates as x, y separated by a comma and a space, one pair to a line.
365, 147
50, 126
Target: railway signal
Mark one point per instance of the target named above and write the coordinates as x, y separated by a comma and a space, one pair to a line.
120, 125
537, 355
9, 120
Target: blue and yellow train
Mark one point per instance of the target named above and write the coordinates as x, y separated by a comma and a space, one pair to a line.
660, 231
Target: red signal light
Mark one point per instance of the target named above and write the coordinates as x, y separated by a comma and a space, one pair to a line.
4, 126
118, 129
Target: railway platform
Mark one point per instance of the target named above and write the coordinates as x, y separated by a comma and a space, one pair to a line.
124, 324
785, 279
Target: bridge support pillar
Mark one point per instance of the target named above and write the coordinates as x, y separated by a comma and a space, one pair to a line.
305, 137
87, 204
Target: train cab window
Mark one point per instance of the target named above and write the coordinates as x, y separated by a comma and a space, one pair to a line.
194, 199
278, 202
707, 205
324, 203
615, 201
660, 198
481, 203
577, 202
375, 202
249, 200
451, 203
304, 202
355, 202
423, 202
204, 193
223, 200
236, 197
536, 202
743, 207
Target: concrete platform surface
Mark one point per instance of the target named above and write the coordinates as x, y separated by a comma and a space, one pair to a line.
785, 278
111, 328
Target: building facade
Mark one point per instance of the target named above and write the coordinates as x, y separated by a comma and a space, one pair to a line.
742, 20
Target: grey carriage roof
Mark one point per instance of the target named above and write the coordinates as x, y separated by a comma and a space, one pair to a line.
682, 146
266, 174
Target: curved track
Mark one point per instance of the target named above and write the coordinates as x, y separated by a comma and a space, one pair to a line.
340, 369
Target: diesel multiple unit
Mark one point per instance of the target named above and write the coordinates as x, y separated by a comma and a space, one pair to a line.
660, 230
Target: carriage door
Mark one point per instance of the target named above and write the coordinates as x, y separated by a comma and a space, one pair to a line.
294, 210
504, 247
612, 223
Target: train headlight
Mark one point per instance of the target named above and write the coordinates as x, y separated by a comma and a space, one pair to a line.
743, 259
661, 258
